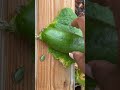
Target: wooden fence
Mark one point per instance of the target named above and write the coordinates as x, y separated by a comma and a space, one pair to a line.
15, 52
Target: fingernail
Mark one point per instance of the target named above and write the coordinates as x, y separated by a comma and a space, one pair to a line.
71, 55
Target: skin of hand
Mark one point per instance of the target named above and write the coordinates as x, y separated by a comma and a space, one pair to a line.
78, 56
106, 74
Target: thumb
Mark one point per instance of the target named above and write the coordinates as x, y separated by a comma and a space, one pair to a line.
79, 58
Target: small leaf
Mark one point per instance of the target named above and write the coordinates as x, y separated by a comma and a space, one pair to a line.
42, 58
79, 77
19, 74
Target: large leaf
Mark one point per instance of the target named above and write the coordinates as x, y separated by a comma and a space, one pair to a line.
65, 16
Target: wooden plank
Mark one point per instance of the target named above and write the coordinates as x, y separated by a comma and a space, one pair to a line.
1, 47
1, 58
50, 74
17, 52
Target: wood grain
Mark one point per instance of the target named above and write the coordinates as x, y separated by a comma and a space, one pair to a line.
50, 74
16, 52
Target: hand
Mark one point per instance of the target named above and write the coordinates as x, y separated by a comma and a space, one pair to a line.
79, 23
80, 60
78, 56
106, 74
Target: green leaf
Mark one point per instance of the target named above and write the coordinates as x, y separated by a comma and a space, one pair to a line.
18, 75
99, 12
42, 58
69, 28
65, 16
62, 57
79, 77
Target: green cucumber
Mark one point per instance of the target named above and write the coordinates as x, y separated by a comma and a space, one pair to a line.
101, 41
62, 40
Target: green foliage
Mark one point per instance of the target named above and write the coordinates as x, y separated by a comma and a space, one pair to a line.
62, 57
19, 75
63, 22
42, 58
101, 36
79, 77
101, 13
